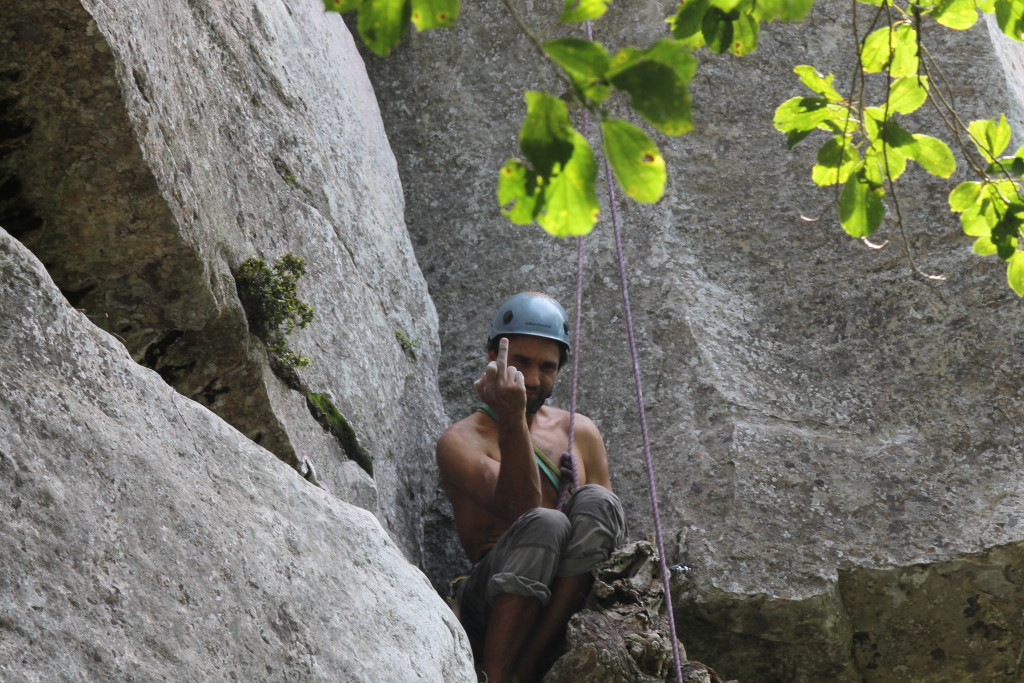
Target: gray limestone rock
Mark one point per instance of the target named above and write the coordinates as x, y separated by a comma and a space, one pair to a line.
814, 406
149, 151
622, 633
145, 539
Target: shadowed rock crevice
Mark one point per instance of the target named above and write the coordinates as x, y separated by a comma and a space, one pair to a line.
77, 191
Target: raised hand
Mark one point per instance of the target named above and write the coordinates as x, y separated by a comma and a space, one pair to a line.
504, 388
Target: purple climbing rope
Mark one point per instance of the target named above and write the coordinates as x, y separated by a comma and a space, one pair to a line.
620, 256
570, 471
568, 465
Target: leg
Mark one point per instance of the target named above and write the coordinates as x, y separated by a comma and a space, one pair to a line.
512, 620
598, 526
508, 588
567, 596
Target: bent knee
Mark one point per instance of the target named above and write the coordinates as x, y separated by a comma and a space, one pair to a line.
544, 526
595, 500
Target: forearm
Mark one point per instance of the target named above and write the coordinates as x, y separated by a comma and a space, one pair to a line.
518, 488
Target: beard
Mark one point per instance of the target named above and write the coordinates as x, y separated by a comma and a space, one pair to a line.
535, 404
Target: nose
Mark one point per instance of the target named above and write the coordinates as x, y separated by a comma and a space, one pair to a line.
529, 377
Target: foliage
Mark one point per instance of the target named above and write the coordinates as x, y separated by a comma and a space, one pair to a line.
869, 145
327, 414
272, 307
868, 142
407, 344
381, 23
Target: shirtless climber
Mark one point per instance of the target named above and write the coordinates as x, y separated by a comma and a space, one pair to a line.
531, 563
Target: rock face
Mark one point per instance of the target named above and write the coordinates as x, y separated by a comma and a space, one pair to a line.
144, 538
148, 153
622, 634
815, 408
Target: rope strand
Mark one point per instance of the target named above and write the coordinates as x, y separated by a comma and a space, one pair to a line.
568, 464
620, 256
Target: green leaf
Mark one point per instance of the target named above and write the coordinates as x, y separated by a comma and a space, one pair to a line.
966, 195
892, 48
570, 201
730, 30
745, 30
860, 206
795, 137
802, 114
635, 159
904, 57
687, 23
979, 220
579, 56
381, 23
983, 246
585, 61
955, 14
1010, 17
990, 137
1015, 272
341, 6
893, 134
1006, 166
1006, 231
784, 10
575, 11
883, 161
933, 155
545, 138
434, 13
656, 79
837, 159
822, 85
907, 94
876, 51
518, 190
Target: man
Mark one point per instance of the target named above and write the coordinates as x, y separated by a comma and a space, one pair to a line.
531, 562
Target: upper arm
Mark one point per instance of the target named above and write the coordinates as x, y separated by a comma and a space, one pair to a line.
590, 446
467, 473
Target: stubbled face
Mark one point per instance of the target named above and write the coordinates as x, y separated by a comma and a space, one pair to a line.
537, 359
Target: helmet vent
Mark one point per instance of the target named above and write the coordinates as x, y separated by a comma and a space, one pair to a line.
507, 318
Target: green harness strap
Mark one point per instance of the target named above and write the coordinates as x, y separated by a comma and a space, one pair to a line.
543, 461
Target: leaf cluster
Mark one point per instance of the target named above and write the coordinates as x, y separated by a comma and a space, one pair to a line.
731, 25
868, 145
272, 306
554, 182
382, 23
992, 209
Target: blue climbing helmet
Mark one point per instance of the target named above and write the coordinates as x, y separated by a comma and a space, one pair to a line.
531, 313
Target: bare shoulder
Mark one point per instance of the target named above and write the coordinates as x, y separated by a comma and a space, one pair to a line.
465, 436
590, 446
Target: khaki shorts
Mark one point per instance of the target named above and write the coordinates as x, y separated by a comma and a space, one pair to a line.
541, 545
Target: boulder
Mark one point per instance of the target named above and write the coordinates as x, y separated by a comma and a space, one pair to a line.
146, 539
815, 407
149, 153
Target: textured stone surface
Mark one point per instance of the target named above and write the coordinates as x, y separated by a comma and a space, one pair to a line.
145, 539
813, 405
148, 152
621, 635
